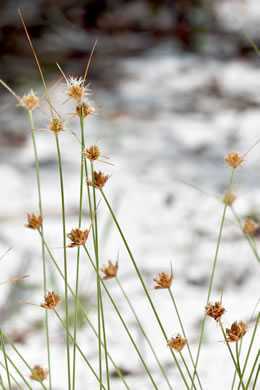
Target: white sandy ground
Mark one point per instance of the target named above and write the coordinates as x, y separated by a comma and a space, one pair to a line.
153, 140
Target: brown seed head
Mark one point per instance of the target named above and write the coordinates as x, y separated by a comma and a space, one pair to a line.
40, 373
177, 343
33, 221
93, 152
234, 160
237, 331
250, 226
109, 270
51, 300
56, 125
85, 109
76, 89
229, 199
163, 280
78, 237
100, 180
30, 101
215, 311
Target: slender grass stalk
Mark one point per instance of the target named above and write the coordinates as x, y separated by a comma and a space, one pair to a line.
238, 364
256, 377
253, 369
235, 373
249, 349
143, 284
25, 362
65, 259
78, 257
183, 331
1, 380
13, 378
143, 332
232, 356
213, 270
79, 349
81, 308
121, 319
5, 359
46, 322
19, 373
187, 368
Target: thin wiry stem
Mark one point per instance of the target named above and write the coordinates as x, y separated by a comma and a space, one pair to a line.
187, 368
18, 372
78, 348
253, 369
65, 259
13, 378
143, 284
249, 349
143, 332
46, 322
235, 373
256, 377
183, 331
213, 270
238, 364
81, 308
5, 359
121, 319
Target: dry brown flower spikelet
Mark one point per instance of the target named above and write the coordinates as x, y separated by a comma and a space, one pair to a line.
215, 311
56, 125
237, 331
85, 109
109, 270
163, 280
78, 237
250, 226
51, 300
93, 152
100, 180
29, 101
177, 343
33, 221
233, 159
40, 372
229, 198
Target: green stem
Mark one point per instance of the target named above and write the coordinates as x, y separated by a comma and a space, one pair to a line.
235, 373
187, 368
81, 308
121, 319
144, 286
46, 321
78, 256
13, 378
5, 359
183, 331
213, 270
19, 373
78, 348
256, 377
249, 349
65, 258
253, 369
238, 364
143, 332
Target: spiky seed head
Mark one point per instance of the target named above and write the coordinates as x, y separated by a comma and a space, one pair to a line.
215, 311
85, 109
177, 343
75, 88
100, 180
56, 125
78, 237
250, 226
33, 221
30, 101
233, 159
93, 152
40, 372
51, 300
163, 280
237, 331
229, 199
109, 270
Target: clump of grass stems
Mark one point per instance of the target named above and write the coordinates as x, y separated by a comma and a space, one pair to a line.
187, 367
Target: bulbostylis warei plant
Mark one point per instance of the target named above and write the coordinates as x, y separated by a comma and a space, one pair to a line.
93, 182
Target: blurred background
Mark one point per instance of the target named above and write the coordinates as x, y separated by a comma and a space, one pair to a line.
177, 83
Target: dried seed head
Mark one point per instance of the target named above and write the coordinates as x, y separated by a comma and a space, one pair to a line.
177, 343
85, 109
51, 300
109, 270
100, 180
40, 373
163, 280
234, 160
33, 221
215, 311
250, 226
237, 331
75, 88
229, 199
56, 125
30, 101
93, 152
78, 237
